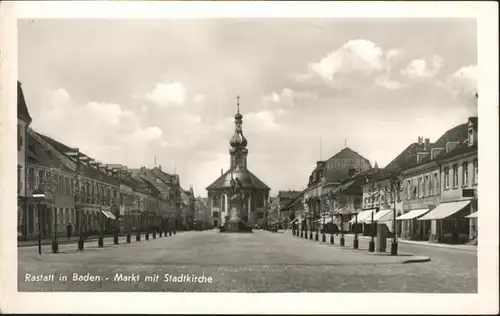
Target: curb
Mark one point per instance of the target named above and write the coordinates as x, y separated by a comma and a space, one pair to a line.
417, 259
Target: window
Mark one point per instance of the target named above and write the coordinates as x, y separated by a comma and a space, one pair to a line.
476, 170
215, 214
19, 179
446, 177
419, 187
259, 201
19, 137
352, 171
436, 183
428, 190
67, 187
465, 173
31, 178
215, 201
60, 185
471, 137
408, 189
41, 177
455, 175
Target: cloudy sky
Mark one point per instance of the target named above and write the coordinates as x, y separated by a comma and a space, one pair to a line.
125, 91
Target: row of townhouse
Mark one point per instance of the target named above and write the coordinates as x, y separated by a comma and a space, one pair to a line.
83, 195
431, 188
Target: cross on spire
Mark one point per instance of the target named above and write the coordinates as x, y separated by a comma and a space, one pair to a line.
238, 103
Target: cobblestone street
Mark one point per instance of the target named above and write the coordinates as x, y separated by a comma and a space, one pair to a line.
258, 262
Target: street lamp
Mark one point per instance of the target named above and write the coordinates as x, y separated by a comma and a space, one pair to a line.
39, 195
316, 237
323, 236
100, 193
77, 195
395, 186
356, 241
342, 238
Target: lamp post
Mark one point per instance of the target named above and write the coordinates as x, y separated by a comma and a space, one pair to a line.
39, 195
355, 243
311, 216
395, 186
342, 237
316, 237
53, 188
323, 236
100, 192
77, 195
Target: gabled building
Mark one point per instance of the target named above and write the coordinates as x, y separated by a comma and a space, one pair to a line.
453, 220
23, 122
285, 200
328, 176
421, 186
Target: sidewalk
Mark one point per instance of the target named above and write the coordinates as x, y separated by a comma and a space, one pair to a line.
424, 243
74, 239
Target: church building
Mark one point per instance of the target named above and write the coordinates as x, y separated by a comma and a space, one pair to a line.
255, 192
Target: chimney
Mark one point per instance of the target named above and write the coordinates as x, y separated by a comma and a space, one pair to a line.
159, 167
450, 146
426, 143
221, 172
421, 156
320, 164
420, 140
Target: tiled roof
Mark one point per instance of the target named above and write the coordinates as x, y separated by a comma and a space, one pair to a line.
165, 177
22, 108
457, 134
38, 154
461, 149
288, 194
347, 153
88, 171
248, 179
406, 158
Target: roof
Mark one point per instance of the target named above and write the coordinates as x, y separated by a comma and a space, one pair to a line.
38, 154
406, 158
456, 134
289, 194
347, 153
22, 108
248, 180
87, 171
165, 177
461, 149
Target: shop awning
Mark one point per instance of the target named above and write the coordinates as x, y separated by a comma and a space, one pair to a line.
326, 219
108, 214
473, 215
413, 214
445, 210
294, 220
379, 216
363, 216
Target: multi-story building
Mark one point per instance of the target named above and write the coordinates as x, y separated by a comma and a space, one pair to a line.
421, 186
327, 177
285, 198
458, 173
23, 122
383, 193
188, 209
202, 214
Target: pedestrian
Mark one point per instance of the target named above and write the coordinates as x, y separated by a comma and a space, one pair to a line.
68, 230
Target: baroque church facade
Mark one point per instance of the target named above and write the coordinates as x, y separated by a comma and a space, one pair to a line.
255, 193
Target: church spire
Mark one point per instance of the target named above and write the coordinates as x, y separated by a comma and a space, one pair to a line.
238, 142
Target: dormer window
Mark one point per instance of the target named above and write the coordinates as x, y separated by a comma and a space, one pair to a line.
471, 136
352, 171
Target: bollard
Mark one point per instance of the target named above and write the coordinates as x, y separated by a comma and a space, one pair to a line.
128, 238
342, 241
55, 246
154, 235
332, 240
161, 233
138, 237
323, 238
81, 243
316, 237
100, 242
175, 231
371, 246
355, 244
170, 233
147, 236
115, 239
311, 235
301, 233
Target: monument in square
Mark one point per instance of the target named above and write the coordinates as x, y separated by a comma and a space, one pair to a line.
238, 199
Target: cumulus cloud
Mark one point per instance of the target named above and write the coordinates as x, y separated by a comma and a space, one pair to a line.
288, 97
419, 68
100, 129
464, 80
356, 56
168, 94
355, 63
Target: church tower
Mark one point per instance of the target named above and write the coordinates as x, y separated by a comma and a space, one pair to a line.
238, 142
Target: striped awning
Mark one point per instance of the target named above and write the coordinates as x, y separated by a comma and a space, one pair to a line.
108, 214
362, 216
380, 216
445, 210
413, 214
